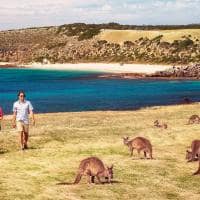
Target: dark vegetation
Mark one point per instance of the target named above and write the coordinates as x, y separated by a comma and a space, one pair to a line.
87, 31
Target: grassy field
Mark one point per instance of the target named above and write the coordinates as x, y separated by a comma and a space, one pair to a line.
119, 36
59, 141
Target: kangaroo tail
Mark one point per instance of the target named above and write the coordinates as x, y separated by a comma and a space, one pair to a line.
78, 178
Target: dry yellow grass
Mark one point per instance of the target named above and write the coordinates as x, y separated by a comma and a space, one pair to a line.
59, 141
119, 36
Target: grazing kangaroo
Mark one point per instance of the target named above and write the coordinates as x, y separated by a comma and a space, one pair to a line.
195, 147
157, 124
194, 119
140, 144
92, 167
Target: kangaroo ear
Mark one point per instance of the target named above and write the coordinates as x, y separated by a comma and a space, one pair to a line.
111, 167
188, 151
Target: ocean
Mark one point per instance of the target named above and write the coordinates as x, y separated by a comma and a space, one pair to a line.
63, 91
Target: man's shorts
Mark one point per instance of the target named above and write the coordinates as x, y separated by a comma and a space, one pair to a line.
21, 126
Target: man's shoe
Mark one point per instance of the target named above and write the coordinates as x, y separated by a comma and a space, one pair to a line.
25, 146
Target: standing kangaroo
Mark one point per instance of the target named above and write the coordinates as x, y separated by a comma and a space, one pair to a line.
194, 119
195, 147
92, 167
140, 144
195, 153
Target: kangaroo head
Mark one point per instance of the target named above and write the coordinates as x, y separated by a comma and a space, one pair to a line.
126, 140
109, 172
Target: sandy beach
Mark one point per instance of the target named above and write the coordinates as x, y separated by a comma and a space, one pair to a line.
102, 67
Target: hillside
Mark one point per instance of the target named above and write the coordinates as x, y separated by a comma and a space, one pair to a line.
102, 43
121, 36
59, 141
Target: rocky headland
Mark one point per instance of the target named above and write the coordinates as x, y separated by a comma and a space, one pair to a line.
188, 71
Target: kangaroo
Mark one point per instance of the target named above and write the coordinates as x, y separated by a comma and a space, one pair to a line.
195, 147
140, 144
93, 167
157, 124
194, 119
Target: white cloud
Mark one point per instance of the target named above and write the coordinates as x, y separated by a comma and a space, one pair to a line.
23, 13
106, 7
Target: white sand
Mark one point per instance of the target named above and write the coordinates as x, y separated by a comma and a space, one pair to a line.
102, 67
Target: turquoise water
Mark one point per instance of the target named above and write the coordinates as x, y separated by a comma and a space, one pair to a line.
59, 91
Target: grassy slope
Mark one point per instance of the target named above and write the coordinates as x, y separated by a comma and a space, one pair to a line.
119, 36
60, 141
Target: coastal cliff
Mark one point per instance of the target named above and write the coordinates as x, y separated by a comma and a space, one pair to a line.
76, 43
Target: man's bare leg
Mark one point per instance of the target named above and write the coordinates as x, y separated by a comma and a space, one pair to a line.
21, 139
25, 140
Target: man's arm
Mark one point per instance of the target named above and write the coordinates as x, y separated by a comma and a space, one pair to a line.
32, 116
31, 113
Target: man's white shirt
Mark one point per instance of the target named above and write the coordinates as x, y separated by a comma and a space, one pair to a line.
22, 110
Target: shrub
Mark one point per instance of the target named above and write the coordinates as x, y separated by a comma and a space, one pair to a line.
128, 43
185, 43
157, 38
88, 34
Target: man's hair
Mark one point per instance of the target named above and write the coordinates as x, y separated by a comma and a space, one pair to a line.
21, 91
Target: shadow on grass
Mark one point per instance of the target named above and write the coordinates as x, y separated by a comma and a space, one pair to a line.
112, 182
194, 160
104, 183
33, 148
144, 158
3, 151
65, 183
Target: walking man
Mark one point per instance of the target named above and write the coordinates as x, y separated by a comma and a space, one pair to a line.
1, 116
21, 110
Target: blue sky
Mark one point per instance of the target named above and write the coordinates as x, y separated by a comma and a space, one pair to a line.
27, 13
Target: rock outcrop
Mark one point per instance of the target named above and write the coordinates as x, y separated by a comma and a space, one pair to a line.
189, 71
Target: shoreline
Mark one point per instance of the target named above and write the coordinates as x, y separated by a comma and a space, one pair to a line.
115, 68
9, 116
106, 70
